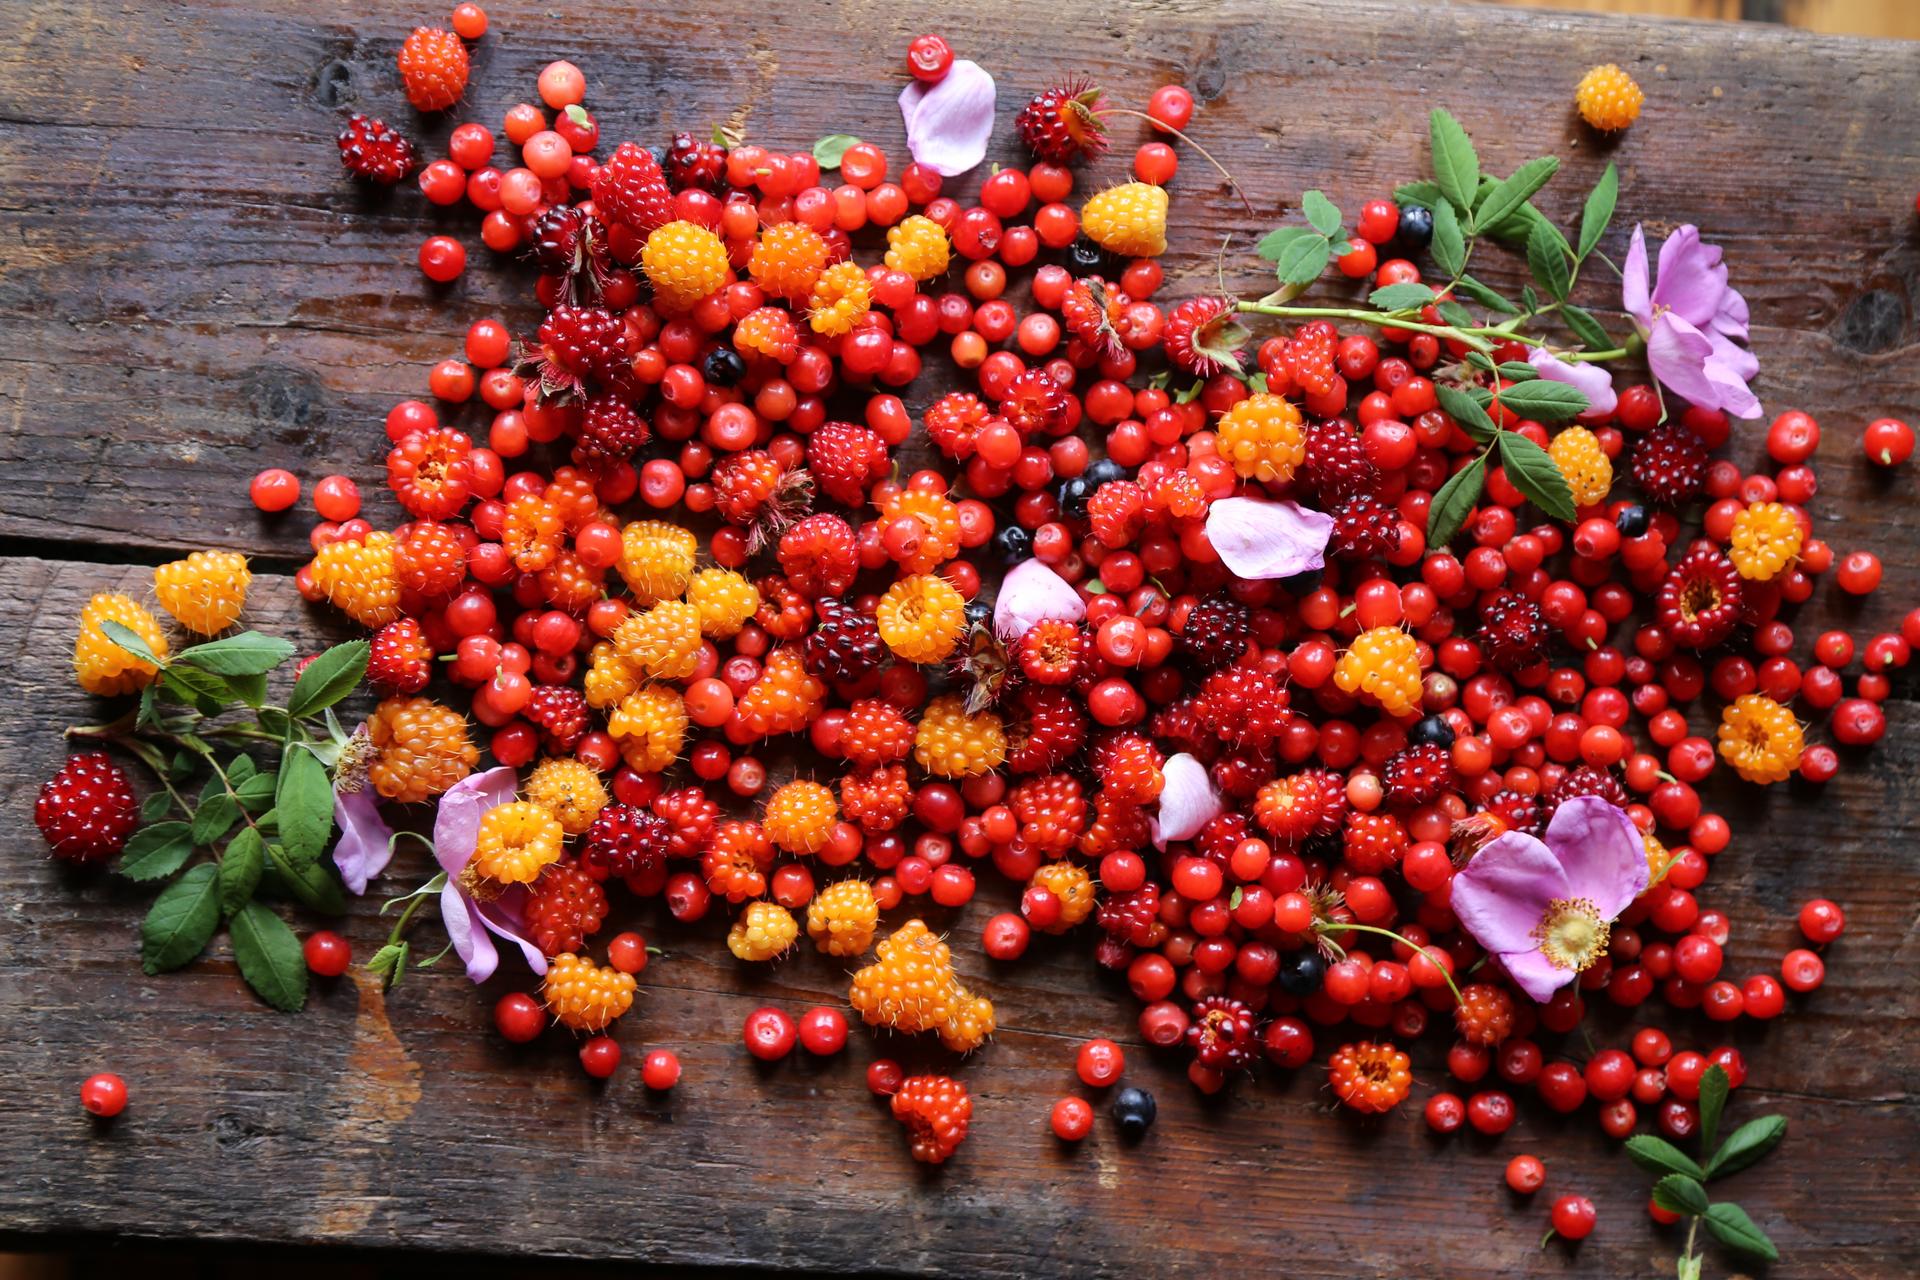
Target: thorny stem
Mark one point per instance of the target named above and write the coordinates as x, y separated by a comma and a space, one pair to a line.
1205, 154
1325, 927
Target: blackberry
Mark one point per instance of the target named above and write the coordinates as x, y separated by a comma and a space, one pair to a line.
1431, 731
1336, 466
1512, 633
1364, 527
1418, 775
1302, 971
723, 367
844, 645
1632, 521
1586, 780
1084, 257
1133, 1112
1014, 544
1670, 466
1416, 227
1217, 631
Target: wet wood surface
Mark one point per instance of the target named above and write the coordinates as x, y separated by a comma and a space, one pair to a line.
190, 291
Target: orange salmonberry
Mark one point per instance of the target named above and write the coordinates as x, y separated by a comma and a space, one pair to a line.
937, 521
1760, 738
515, 841
1608, 98
918, 246
1261, 437
1485, 1014
584, 996
657, 559
725, 601
788, 259
660, 643
1384, 664
1129, 220
842, 917
840, 297
357, 577
935, 1110
784, 699
876, 732
1584, 464
921, 617
650, 726
799, 816
950, 743
764, 931
877, 798
1765, 539
1369, 1076
569, 790
420, 749
684, 262
103, 667
204, 592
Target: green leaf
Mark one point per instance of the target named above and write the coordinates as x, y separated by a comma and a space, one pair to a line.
1732, 1227
256, 793
1548, 264
1714, 1087
240, 768
1401, 297
1529, 299
127, 638
251, 690
1448, 246
1275, 242
1680, 1193
240, 867
1421, 192
247, 654
1657, 1155
180, 921
1598, 211
1257, 384
214, 816
1321, 213
1486, 297
1454, 502
1302, 261
270, 957
328, 678
202, 690
1586, 328
156, 852
578, 114
1544, 400
1533, 472
389, 963
1511, 193
1517, 371
155, 806
1747, 1144
304, 801
1456, 166
830, 149
149, 714
309, 882
1456, 315
1466, 412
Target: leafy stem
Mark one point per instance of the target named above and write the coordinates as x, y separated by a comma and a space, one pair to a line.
1382, 319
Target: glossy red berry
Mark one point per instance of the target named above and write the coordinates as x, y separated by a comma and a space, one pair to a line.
600, 1057
929, 58
660, 1069
519, 1017
1526, 1174
274, 489
327, 953
1574, 1217
1071, 1119
769, 1034
1099, 1063
823, 1031
105, 1095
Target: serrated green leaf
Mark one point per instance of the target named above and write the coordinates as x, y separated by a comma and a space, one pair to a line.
1466, 412
1302, 261
389, 964
328, 678
1532, 471
1732, 1227
831, 149
202, 690
1747, 1144
251, 690
1456, 315
1586, 328
1598, 210
1401, 297
1544, 400
148, 716
1529, 299
1680, 1193
270, 957
156, 852
246, 654
304, 800
1478, 360
1449, 245
1507, 197
1657, 1155
275, 721
1425, 194
240, 866
1487, 297
1517, 371
1456, 166
213, 818
1714, 1087
128, 639
180, 921
256, 793
1455, 501
311, 883
1275, 242
1548, 264
155, 806
1322, 215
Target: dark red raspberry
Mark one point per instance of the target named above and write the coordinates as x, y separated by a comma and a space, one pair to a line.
87, 810
1217, 631
630, 189
1699, 604
1512, 633
560, 713
1586, 780
625, 840
1364, 527
1063, 124
1336, 466
1221, 1034
1134, 917
1045, 729
564, 908
1670, 465
844, 645
1520, 811
1419, 775
610, 431
693, 165
401, 660
846, 459
370, 149
690, 816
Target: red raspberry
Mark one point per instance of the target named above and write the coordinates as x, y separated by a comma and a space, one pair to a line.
1045, 729
1052, 812
1035, 404
431, 472
820, 556
1374, 842
1117, 512
1054, 652
954, 422
577, 345
690, 816
1217, 631
564, 908
754, 490
433, 68
87, 810
369, 149
935, 1110
1135, 916
1586, 780
1309, 357
784, 613
846, 460
1095, 312
625, 840
1336, 465
1519, 811
1485, 1014
629, 189
1418, 775
1128, 764
1119, 822
1240, 771
1699, 604
1243, 705
401, 660
1670, 465
1176, 495
560, 713
430, 561
1221, 1034
1363, 527
1063, 124
610, 431
1199, 336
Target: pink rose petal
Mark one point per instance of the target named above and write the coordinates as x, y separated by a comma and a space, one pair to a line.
1188, 800
948, 123
1592, 381
366, 841
1260, 539
1031, 593
457, 823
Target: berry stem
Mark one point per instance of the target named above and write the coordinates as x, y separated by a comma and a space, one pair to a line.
1325, 927
1205, 154
1384, 319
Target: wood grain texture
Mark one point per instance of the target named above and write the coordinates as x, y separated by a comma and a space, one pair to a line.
194, 293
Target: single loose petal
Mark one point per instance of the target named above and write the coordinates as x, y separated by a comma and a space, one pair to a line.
506, 917
1500, 896
1536, 975
1033, 593
1188, 800
457, 823
1259, 539
470, 943
1592, 381
1635, 287
366, 841
1692, 278
1602, 853
949, 123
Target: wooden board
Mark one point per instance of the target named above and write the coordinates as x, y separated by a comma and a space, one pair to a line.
191, 292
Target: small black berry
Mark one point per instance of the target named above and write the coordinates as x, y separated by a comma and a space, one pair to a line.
1632, 521
1432, 731
1416, 226
1301, 972
724, 367
1014, 544
1084, 257
1133, 1111
1074, 495
1101, 470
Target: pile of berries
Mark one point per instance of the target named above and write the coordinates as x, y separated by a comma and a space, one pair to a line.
665, 536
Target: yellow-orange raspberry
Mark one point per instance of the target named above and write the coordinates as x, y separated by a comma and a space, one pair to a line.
570, 790
970, 1023
1760, 739
788, 259
769, 332
784, 699
357, 577
660, 643
516, 841
736, 860
842, 917
1072, 886
684, 262
918, 246
764, 931
1130, 220
1370, 1076
1484, 1015
656, 559
1260, 437
952, 744
1584, 464
421, 749
1659, 859
1384, 664
800, 816
206, 591
939, 521
103, 667
1765, 539
608, 677
840, 297
1608, 98
876, 733
910, 984
583, 996
876, 799
725, 599
650, 726
921, 618
532, 532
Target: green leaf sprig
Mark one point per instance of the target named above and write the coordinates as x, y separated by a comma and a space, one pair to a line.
1682, 1184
